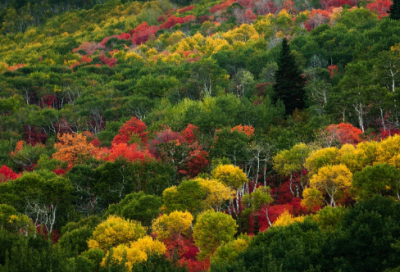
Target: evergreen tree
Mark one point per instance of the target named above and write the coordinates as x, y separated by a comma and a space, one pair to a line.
289, 83
395, 10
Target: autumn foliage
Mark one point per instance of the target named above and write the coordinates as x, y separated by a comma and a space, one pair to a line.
130, 130
381, 7
142, 33
71, 147
346, 133
7, 174
172, 21
189, 133
248, 130
129, 152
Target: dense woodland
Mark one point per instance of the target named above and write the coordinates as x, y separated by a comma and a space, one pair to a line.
236, 135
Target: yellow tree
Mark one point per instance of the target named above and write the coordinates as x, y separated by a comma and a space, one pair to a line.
312, 198
241, 34
213, 45
71, 147
230, 175
286, 219
149, 245
233, 177
173, 224
131, 255
216, 193
321, 158
349, 156
389, 151
367, 152
115, 231
137, 252
334, 180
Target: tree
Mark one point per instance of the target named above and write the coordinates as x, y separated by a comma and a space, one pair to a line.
27, 156
355, 88
206, 76
211, 230
227, 253
321, 158
312, 199
138, 251
130, 152
286, 219
230, 175
334, 180
292, 163
83, 180
216, 193
42, 195
394, 10
289, 83
115, 231
260, 199
329, 218
7, 174
137, 206
72, 147
346, 133
188, 196
76, 234
367, 230
14, 222
232, 145
380, 179
132, 131
173, 224
389, 151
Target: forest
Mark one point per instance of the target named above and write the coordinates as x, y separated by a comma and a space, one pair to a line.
199, 135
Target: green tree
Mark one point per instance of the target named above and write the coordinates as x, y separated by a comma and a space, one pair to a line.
228, 252
211, 230
380, 179
188, 196
289, 83
290, 162
137, 206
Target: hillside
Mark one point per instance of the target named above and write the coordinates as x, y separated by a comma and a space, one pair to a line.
238, 135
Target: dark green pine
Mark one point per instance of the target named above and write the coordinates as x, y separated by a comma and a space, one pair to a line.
289, 82
395, 10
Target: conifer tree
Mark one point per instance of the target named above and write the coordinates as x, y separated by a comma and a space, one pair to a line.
395, 10
289, 83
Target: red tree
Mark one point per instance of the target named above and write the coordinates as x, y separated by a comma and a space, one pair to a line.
142, 33
195, 164
132, 128
108, 61
346, 133
129, 152
7, 174
381, 7
189, 133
